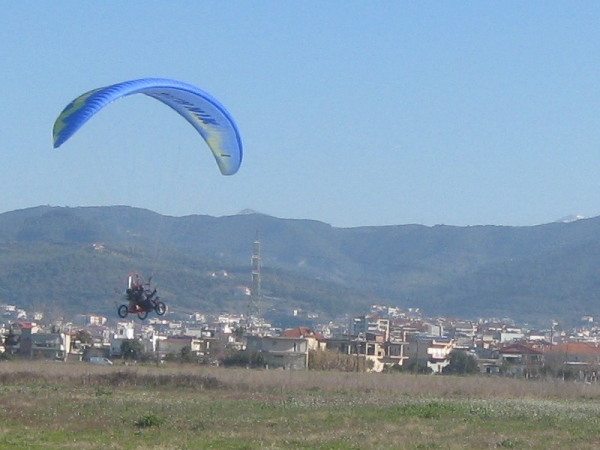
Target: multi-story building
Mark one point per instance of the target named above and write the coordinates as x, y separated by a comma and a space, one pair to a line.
282, 351
28, 341
363, 324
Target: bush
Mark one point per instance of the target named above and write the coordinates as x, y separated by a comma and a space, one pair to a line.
334, 360
149, 420
418, 367
6, 356
245, 359
135, 379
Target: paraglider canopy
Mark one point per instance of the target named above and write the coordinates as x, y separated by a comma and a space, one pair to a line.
199, 108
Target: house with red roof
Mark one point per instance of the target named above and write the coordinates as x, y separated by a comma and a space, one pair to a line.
581, 359
521, 359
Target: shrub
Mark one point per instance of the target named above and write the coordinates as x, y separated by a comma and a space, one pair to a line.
6, 356
149, 420
334, 360
136, 379
414, 367
245, 359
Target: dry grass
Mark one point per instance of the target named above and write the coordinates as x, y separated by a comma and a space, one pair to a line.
55, 405
203, 377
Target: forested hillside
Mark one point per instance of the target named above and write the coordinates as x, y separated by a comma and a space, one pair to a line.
67, 260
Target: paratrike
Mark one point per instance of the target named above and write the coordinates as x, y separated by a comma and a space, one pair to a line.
141, 299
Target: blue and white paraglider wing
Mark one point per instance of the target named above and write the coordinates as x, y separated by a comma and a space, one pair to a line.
199, 108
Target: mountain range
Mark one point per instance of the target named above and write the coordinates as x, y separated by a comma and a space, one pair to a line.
63, 260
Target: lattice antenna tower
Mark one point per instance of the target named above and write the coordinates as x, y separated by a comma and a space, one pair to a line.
256, 294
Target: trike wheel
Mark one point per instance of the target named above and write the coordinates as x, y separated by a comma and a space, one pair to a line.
123, 310
142, 314
160, 308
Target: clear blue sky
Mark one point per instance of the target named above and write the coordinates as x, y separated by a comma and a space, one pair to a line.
351, 112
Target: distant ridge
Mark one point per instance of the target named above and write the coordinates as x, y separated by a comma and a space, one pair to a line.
68, 258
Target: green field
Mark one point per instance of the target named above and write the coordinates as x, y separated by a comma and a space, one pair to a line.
80, 406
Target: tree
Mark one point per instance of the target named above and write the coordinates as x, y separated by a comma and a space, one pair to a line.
132, 349
84, 336
186, 355
11, 339
461, 363
239, 331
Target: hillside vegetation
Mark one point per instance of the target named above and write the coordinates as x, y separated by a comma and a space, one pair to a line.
49, 262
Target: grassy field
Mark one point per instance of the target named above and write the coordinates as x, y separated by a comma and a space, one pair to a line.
80, 406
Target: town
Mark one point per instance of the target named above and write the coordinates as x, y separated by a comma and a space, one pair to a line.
384, 339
